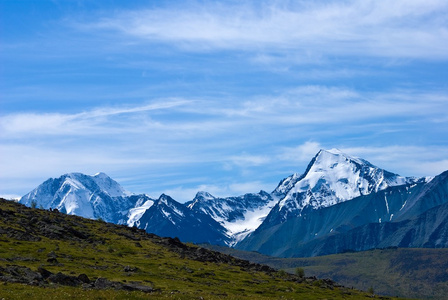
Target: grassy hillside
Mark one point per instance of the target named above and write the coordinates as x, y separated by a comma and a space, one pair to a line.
405, 272
49, 255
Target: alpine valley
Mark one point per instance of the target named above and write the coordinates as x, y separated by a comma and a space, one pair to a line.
340, 203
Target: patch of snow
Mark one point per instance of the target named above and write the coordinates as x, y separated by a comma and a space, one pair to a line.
176, 210
253, 218
387, 204
136, 213
168, 216
76, 201
403, 204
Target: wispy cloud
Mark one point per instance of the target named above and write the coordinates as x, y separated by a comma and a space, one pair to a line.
402, 28
407, 160
301, 153
83, 123
184, 194
184, 119
249, 160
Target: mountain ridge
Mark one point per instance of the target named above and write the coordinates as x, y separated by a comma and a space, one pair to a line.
360, 224
331, 178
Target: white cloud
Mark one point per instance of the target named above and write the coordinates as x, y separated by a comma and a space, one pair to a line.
182, 119
29, 122
248, 187
109, 111
246, 160
184, 194
277, 134
84, 123
415, 29
301, 153
405, 160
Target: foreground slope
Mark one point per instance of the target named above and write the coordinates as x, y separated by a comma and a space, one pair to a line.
50, 255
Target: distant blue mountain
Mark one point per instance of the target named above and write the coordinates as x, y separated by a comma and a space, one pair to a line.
397, 216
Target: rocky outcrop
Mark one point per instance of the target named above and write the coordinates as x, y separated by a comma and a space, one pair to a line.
53, 225
43, 277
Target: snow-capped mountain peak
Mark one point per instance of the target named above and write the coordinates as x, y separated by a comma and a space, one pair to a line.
204, 196
96, 196
109, 185
330, 178
200, 197
165, 199
169, 206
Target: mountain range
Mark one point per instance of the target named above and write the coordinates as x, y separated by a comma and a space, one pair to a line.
339, 203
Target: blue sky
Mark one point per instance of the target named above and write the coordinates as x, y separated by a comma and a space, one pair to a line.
224, 96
